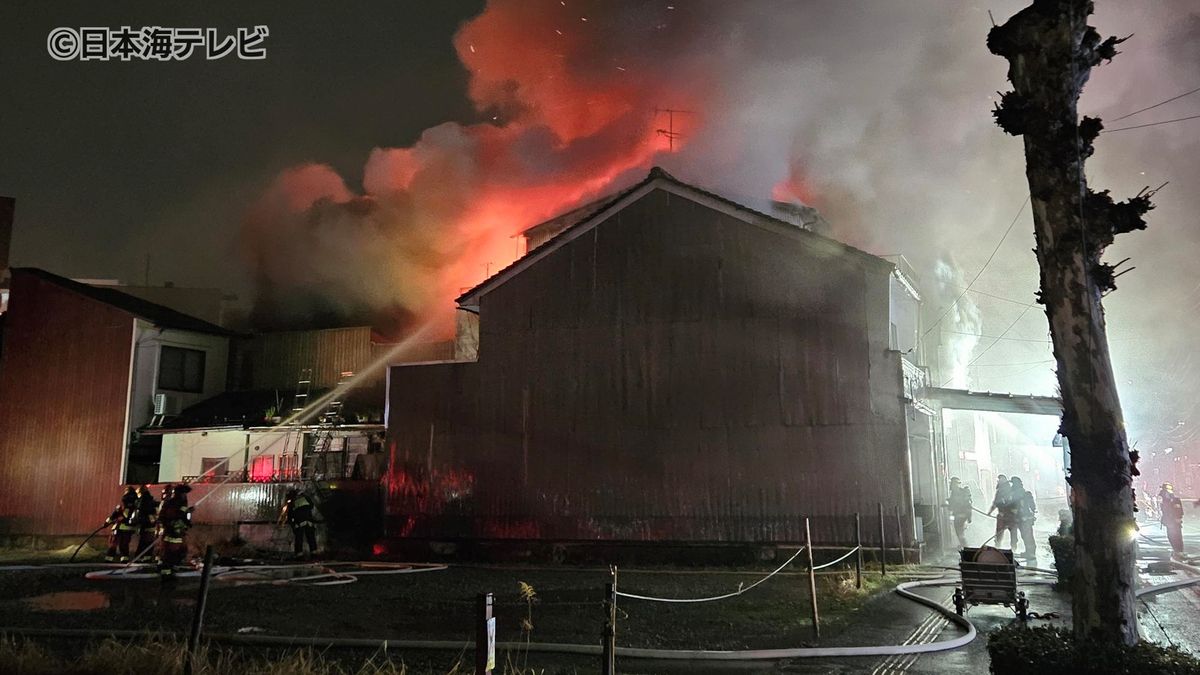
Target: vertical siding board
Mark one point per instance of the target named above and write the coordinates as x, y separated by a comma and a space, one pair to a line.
691, 377
63, 383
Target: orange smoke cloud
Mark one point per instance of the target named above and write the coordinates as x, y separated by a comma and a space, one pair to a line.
570, 94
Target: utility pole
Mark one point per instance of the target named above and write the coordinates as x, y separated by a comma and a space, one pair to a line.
1051, 51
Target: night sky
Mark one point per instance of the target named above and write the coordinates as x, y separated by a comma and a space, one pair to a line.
112, 161
878, 113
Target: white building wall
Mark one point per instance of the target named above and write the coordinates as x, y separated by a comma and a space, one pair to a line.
184, 452
149, 341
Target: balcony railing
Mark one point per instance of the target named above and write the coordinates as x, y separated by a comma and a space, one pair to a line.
916, 379
316, 466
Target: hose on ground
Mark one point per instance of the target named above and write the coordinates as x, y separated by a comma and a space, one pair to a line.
905, 590
327, 575
86, 540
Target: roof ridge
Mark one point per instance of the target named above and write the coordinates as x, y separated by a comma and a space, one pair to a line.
658, 173
143, 309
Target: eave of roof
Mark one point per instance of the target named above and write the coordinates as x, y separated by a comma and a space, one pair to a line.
569, 217
143, 309
658, 178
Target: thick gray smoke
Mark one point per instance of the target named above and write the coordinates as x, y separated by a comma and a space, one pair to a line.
877, 113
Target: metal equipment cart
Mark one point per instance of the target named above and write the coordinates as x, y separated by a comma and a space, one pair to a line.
989, 577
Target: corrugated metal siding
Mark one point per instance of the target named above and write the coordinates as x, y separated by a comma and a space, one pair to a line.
63, 387
350, 509
673, 374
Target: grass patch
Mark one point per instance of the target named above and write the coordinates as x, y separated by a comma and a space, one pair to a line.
165, 656
554, 605
1047, 650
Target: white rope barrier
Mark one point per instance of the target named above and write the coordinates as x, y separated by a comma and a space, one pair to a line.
738, 592
831, 564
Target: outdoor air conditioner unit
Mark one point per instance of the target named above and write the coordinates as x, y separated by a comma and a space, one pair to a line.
165, 404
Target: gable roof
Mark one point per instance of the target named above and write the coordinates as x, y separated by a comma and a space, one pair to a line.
143, 309
658, 179
565, 220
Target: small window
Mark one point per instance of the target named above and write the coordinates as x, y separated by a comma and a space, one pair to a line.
214, 466
181, 369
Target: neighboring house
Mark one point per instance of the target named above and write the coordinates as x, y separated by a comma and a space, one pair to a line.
269, 454
242, 437
99, 388
82, 369
665, 365
210, 304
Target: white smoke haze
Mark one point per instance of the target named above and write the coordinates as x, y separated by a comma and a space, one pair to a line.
959, 326
877, 113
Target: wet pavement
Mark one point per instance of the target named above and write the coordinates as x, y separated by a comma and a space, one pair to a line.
68, 601
1170, 618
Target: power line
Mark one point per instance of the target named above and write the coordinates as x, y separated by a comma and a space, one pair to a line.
1151, 124
981, 269
996, 337
998, 297
1152, 107
1010, 365
994, 342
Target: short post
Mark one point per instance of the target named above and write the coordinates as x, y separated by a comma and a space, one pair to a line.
812, 580
858, 557
900, 536
198, 616
882, 544
485, 635
609, 636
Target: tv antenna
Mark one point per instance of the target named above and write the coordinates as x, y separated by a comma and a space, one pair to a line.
670, 132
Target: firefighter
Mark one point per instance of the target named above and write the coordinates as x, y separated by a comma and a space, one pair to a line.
298, 512
174, 520
1005, 508
1171, 508
1024, 512
960, 509
145, 517
123, 527
167, 492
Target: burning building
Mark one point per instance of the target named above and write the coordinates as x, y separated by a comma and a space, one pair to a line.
666, 365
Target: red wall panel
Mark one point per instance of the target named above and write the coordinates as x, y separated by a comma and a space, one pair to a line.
64, 378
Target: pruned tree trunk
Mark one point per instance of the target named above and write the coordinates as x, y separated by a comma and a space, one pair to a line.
1051, 51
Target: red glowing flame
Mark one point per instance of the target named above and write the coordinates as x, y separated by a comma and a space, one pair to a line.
570, 97
794, 188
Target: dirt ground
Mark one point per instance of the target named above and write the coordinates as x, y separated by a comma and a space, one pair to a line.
565, 606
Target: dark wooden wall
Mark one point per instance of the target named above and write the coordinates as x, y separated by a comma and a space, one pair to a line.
274, 360
674, 374
64, 380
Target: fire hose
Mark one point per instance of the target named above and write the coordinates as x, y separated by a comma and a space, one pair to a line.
86, 540
904, 590
327, 575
